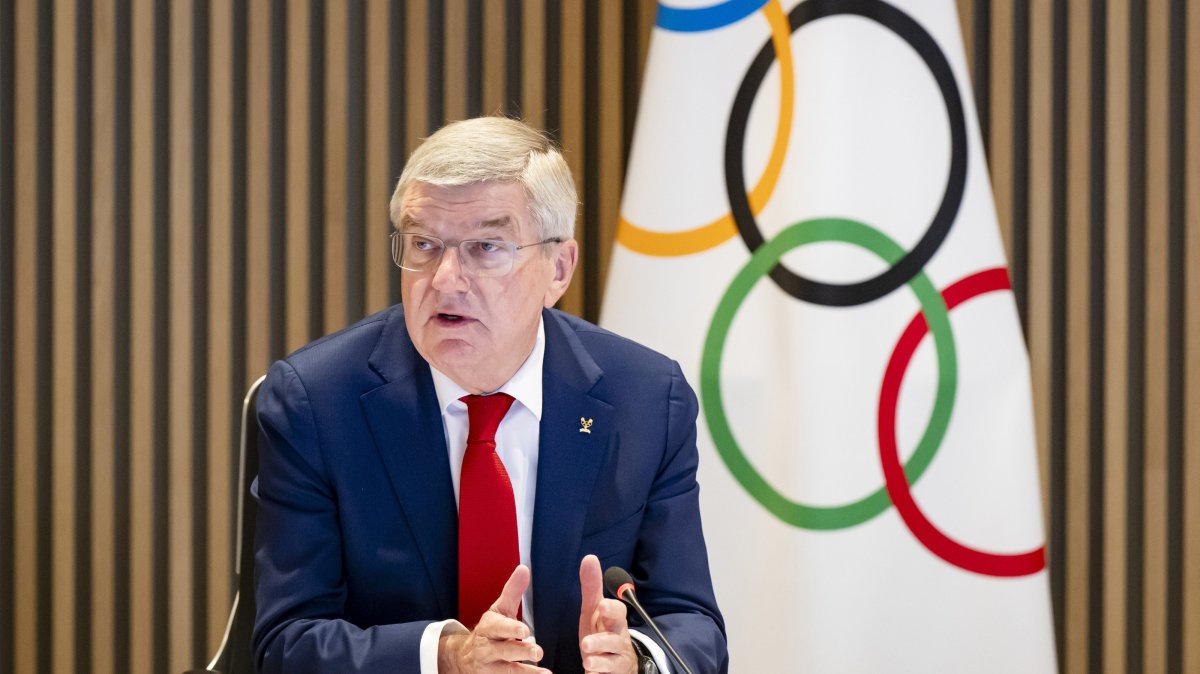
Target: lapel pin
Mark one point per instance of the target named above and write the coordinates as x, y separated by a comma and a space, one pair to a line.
585, 425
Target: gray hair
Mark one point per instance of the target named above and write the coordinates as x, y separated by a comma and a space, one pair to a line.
501, 150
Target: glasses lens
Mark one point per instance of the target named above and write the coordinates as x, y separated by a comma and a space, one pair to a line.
419, 252
486, 256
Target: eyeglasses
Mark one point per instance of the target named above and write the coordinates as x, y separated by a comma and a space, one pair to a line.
479, 257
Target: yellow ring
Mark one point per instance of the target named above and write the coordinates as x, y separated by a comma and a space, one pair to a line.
671, 244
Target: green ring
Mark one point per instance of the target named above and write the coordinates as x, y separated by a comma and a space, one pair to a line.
932, 306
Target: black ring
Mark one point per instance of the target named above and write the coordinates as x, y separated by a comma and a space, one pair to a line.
849, 294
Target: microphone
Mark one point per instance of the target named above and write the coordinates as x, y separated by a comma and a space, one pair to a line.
619, 584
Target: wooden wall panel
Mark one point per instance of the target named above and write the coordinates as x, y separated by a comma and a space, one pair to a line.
1072, 557
1190, 570
26, 646
190, 190
220, 508
99, 638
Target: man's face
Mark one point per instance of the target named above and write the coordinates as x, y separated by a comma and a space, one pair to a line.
478, 330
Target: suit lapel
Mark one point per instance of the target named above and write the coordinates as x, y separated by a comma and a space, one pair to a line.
574, 438
407, 428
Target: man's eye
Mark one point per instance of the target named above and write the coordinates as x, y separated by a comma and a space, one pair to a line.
488, 246
423, 245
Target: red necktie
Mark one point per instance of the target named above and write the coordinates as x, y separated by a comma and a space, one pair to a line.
487, 512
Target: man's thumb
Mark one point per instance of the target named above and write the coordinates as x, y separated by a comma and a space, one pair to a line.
514, 588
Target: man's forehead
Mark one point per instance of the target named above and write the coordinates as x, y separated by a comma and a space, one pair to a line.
480, 206
500, 223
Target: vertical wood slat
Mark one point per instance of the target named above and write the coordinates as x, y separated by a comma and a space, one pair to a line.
237, 305
299, 296
1019, 140
473, 58
398, 118
435, 64
1154, 321
277, 304
1034, 158
218, 559
121, 341
1191, 371
336, 280
1076, 576
98, 628
610, 133
198, 449
1176, 361
514, 44
1097, 338
24, 512
590, 194
1135, 373
82, 451
1059, 214
44, 320
535, 60
161, 372
981, 39
565, 44
493, 53
355, 171
177, 319
455, 78
316, 165
61, 338
7, 332
378, 136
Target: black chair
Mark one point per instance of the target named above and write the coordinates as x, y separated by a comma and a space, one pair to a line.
234, 656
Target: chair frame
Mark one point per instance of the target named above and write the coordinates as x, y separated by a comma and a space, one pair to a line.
235, 647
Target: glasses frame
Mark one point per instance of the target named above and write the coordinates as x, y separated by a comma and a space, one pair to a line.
397, 252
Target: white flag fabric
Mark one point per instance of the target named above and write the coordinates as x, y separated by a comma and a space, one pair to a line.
808, 228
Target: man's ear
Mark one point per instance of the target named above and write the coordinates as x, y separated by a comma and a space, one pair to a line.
565, 259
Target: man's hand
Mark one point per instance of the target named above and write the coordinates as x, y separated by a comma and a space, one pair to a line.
499, 642
604, 640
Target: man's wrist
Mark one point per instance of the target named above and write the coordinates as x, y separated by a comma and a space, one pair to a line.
448, 647
645, 661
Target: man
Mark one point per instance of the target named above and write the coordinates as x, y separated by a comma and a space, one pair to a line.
401, 529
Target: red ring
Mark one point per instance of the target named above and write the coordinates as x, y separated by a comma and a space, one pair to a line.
971, 559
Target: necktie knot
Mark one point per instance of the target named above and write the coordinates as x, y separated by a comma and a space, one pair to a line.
484, 414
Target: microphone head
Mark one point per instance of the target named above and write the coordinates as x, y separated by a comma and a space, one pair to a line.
617, 581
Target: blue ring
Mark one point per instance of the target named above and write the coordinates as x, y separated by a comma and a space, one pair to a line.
705, 18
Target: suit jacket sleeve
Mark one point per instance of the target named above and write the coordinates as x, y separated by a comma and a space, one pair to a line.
300, 580
671, 562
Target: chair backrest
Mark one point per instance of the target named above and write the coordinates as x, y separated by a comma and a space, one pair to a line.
234, 655
241, 654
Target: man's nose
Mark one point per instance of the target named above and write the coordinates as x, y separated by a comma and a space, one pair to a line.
449, 275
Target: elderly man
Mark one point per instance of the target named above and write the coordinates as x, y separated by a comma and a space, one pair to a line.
441, 482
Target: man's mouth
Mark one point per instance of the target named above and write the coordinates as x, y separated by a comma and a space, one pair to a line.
452, 318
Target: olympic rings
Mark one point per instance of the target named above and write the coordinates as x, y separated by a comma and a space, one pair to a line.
932, 307
832, 294
898, 487
905, 268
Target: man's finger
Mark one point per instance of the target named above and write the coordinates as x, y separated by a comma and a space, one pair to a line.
591, 586
514, 588
613, 616
498, 627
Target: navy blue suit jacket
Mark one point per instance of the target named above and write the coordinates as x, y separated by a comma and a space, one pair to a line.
356, 551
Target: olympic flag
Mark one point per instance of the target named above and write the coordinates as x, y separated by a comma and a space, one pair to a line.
807, 226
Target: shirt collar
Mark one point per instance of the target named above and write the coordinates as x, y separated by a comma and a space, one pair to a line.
525, 386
